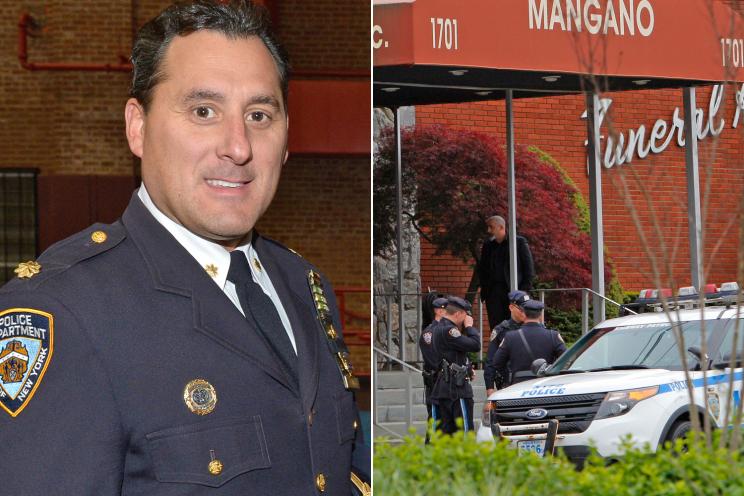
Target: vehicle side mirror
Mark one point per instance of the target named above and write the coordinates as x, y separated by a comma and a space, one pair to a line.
539, 366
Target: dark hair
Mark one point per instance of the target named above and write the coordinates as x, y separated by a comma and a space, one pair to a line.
531, 314
234, 19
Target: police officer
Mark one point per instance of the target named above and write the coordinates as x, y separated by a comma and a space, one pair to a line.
525, 345
452, 338
431, 358
516, 300
177, 351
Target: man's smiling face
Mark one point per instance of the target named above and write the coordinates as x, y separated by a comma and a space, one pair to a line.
214, 139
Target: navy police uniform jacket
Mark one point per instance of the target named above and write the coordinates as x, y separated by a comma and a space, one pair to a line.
544, 343
497, 336
112, 333
452, 344
431, 359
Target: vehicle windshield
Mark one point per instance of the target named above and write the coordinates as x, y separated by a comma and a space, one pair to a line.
652, 346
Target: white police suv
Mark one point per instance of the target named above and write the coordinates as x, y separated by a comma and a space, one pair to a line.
625, 377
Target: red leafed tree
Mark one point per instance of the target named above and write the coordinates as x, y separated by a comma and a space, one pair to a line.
458, 180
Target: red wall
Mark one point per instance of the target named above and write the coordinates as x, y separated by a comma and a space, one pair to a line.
553, 124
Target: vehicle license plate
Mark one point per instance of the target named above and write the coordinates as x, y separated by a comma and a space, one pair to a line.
532, 446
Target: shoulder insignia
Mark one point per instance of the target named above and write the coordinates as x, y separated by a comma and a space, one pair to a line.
427, 337
27, 270
26, 345
455, 332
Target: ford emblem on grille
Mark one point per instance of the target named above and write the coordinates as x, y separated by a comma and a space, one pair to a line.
536, 413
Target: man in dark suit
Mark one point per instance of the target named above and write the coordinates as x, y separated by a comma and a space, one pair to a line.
178, 350
494, 271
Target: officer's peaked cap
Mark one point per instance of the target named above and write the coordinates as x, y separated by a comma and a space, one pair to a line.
459, 302
439, 303
533, 305
518, 297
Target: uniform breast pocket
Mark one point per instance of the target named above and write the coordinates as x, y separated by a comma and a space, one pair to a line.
346, 415
183, 454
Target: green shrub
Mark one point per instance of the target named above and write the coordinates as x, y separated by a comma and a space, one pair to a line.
457, 465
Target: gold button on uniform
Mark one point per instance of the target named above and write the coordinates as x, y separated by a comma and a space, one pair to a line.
320, 482
98, 237
215, 467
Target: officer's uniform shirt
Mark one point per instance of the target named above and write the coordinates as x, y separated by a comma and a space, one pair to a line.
216, 261
452, 344
544, 343
497, 336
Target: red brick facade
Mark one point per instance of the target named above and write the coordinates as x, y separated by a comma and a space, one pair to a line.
554, 125
70, 125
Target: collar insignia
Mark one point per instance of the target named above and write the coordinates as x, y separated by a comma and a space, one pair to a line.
257, 264
211, 270
26, 345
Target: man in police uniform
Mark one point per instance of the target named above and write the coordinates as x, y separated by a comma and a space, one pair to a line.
525, 345
516, 300
177, 351
431, 358
452, 338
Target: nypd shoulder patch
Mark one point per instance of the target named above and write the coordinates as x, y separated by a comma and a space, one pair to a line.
26, 345
455, 332
427, 337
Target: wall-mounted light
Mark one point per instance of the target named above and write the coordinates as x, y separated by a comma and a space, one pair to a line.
483, 93
390, 89
641, 82
458, 72
550, 79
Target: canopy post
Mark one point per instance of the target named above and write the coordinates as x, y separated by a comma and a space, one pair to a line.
693, 187
510, 181
595, 205
399, 232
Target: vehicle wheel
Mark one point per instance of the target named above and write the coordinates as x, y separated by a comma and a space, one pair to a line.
679, 430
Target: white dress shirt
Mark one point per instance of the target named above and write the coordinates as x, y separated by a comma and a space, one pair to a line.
215, 260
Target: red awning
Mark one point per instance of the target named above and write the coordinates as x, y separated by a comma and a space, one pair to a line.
445, 50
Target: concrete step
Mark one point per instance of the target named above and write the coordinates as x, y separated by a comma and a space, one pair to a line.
403, 429
397, 413
398, 379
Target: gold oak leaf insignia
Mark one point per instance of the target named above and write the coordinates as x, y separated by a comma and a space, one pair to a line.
26, 270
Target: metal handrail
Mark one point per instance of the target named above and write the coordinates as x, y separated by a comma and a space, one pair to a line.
388, 300
589, 290
408, 402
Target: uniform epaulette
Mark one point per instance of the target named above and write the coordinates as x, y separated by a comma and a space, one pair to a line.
64, 254
280, 245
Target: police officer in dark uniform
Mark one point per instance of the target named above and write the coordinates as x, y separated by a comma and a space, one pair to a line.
516, 299
452, 339
525, 345
177, 351
431, 358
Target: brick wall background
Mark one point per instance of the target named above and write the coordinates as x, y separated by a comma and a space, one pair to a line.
71, 123
554, 125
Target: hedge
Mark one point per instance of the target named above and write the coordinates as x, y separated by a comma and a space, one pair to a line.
458, 465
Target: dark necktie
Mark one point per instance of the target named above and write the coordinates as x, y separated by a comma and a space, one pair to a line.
259, 307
